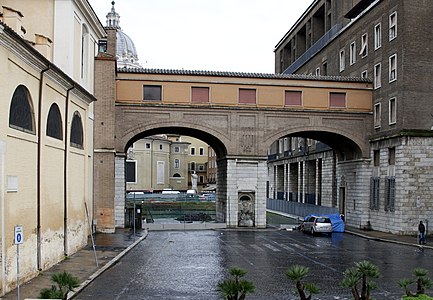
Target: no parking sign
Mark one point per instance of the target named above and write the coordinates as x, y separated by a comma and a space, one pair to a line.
19, 238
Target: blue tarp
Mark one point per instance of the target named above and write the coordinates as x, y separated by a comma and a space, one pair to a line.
336, 221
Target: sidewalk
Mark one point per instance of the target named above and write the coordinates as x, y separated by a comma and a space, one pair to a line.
110, 247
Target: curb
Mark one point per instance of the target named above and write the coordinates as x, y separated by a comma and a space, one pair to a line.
106, 267
387, 240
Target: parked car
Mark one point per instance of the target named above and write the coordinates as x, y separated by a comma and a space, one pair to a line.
317, 224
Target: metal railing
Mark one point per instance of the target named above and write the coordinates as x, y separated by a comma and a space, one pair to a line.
317, 46
297, 208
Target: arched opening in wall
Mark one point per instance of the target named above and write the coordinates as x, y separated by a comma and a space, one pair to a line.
172, 177
305, 171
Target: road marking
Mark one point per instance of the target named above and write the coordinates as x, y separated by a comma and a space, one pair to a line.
269, 246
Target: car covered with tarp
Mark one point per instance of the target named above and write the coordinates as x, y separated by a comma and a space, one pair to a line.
336, 221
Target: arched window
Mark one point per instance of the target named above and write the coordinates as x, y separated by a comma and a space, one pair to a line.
21, 114
77, 131
54, 123
176, 175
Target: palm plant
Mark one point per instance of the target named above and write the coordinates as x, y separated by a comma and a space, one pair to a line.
422, 282
235, 288
297, 273
65, 284
362, 273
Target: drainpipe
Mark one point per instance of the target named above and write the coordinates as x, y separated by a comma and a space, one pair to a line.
3, 251
65, 175
38, 164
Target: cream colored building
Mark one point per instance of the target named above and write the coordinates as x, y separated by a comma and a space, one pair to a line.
167, 161
47, 49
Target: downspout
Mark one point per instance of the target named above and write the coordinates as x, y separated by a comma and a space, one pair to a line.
38, 165
65, 175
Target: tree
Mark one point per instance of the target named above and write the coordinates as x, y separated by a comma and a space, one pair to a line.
362, 273
235, 288
65, 284
422, 282
297, 273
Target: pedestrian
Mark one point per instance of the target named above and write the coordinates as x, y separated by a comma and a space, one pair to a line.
421, 232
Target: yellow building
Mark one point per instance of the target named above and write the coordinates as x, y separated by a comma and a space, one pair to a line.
47, 50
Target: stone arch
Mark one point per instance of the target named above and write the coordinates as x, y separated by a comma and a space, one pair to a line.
346, 144
218, 141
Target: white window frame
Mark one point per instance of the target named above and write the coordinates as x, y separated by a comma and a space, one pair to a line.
318, 71
192, 151
201, 151
392, 73
377, 119
377, 36
364, 45
392, 113
160, 172
135, 166
364, 74
176, 163
352, 53
377, 76
392, 26
342, 60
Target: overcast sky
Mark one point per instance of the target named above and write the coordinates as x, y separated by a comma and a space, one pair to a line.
215, 35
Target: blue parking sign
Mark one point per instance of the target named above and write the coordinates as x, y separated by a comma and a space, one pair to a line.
19, 238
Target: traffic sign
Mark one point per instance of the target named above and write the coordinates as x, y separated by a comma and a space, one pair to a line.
19, 237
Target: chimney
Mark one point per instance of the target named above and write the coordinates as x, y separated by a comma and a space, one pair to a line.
14, 19
44, 45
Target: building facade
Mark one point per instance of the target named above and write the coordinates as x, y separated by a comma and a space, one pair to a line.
386, 42
46, 131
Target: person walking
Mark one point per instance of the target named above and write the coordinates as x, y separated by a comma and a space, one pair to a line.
421, 232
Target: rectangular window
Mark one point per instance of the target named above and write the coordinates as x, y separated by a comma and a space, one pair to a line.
392, 26
160, 147
337, 99
390, 193
199, 94
364, 74
247, 96
342, 62
391, 156
392, 111
192, 151
377, 76
376, 158
364, 45
377, 115
160, 172
131, 171
293, 98
176, 149
377, 36
201, 151
201, 179
393, 68
192, 166
352, 53
152, 92
201, 167
374, 193
147, 145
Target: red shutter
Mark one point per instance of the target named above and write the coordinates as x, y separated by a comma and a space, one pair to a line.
293, 98
247, 96
200, 95
337, 100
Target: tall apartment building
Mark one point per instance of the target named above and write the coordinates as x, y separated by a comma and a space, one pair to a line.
387, 42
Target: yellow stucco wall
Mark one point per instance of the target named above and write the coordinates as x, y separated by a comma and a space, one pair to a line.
270, 92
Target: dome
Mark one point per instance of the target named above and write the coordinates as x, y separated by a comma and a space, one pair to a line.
126, 54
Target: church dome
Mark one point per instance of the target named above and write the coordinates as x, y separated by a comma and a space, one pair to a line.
126, 54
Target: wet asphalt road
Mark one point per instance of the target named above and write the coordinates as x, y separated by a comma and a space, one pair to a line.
189, 264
